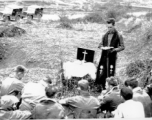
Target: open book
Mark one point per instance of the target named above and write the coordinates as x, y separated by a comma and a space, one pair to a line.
106, 48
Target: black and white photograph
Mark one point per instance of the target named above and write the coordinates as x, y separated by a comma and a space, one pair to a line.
75, 59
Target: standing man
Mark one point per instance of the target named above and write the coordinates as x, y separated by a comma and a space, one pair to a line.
112, 42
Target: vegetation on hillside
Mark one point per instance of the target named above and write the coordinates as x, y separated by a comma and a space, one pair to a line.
46, 45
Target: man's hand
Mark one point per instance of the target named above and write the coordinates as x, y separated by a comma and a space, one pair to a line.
99, 47
113, 50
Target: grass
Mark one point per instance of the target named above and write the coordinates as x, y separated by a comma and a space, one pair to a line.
44, 46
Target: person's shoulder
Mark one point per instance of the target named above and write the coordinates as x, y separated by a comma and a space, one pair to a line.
9, 78
120, 33
94, 98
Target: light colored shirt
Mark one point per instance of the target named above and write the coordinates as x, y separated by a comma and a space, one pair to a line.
141, 96
16, 115
10, 84
32, 93
109, 39
130, 109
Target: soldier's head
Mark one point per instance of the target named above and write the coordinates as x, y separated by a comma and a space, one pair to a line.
133, 83
83, 85
51, 91
48, 79
111, 25
20, 72
126, 93
126, 83
111, 82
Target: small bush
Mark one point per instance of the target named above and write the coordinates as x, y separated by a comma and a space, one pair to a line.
65, 23
11, 31
148, 16
132, 70
139, 69
146, 33
135, 68
95, 17
3, 51
140, 64
111, 9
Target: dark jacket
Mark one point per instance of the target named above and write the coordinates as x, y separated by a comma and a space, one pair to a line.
111, 100
116, 42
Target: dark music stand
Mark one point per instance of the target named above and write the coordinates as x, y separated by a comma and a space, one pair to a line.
86, 55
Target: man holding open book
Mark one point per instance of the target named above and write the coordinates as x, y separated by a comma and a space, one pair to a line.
112, 42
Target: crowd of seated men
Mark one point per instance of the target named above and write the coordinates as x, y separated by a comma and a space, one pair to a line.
31, 100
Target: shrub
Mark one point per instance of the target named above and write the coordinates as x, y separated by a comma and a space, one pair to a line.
146, 32
95, 17
140, 70
148, 16
65, 23
11, 31
111, 9
132, 69
3, 50
135, 68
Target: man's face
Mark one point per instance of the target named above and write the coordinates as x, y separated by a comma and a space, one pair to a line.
110, 27
20, 75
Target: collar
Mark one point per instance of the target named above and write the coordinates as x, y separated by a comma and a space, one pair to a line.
116, 88
85, 93
111, 32
137, 89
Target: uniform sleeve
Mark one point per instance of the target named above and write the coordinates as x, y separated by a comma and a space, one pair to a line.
121, 44
17, 85
22, 115
101, 43
104, 105
72, 100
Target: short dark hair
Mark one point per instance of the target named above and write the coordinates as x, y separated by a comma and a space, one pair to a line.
20, 68
126, 83
126, 93
50, 91
48, 79
133, 83
111, 21
112, 81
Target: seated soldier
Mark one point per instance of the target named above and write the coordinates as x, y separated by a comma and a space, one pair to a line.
148, 87
142, 96
32, 93
48, 108
84, 105
111, 99
130, 108
13, 83
8, 109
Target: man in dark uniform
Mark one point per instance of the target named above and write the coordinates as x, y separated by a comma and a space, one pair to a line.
112, 42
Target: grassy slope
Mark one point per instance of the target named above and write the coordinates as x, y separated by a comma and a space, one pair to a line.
42, 45
40, 49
